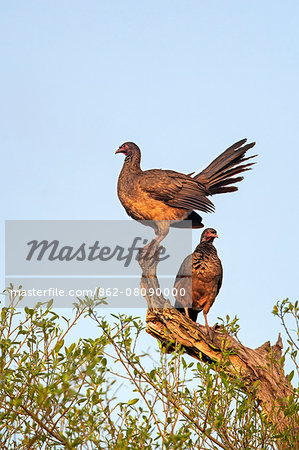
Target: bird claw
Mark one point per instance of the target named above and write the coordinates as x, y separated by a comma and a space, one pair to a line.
210, 332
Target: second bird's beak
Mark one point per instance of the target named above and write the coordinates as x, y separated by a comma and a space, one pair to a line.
119, 150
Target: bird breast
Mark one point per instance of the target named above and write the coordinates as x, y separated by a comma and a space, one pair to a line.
206, 265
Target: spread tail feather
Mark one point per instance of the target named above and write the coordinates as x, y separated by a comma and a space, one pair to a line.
220, 173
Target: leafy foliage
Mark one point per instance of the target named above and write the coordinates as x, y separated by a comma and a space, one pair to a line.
102, 393
288, 313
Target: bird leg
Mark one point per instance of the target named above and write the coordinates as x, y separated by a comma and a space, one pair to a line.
187, 312
206, 320
150, 253
209, 330
150, 249
145, 250
160, 238
161, 230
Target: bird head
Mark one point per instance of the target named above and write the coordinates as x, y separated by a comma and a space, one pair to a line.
208, 235
128, 149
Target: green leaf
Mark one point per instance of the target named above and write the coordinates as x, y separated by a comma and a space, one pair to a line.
59, 345
50, 303
132, 402
290, 376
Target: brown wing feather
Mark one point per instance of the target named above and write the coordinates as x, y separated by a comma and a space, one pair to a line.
219, 173
175, 189
183, 284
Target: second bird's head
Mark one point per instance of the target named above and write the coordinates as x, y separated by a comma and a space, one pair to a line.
208, 235
128, 149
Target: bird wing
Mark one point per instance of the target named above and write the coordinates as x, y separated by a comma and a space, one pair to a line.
185, 269
220, 279
175, 189
183, 284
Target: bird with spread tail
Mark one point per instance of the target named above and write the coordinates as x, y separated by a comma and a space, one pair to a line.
166, 198
199, 278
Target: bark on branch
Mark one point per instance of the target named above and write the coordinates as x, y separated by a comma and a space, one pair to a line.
262, 364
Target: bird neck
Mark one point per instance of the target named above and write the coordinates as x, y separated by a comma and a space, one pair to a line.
205, 245
132, 162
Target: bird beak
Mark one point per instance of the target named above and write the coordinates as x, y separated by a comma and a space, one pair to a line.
119, 150
216, 235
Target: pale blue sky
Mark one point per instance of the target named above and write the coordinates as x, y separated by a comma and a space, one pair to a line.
184, 80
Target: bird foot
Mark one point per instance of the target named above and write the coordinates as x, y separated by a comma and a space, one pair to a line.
210, 332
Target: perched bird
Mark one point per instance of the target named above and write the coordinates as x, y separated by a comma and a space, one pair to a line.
166, 197
197, 292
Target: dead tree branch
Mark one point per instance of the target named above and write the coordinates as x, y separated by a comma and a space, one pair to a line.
262, 365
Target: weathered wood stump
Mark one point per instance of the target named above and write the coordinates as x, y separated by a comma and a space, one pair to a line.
262, 365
